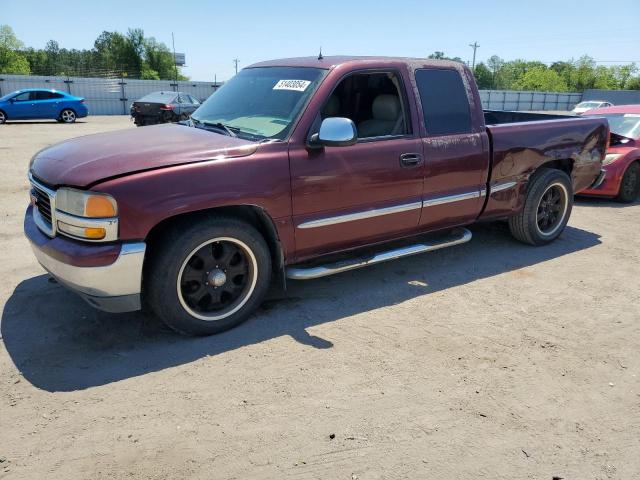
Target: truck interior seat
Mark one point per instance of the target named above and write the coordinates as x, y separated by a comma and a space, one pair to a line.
387, 117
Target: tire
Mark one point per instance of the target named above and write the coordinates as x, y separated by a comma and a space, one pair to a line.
3, 117
630, 184
67, 116
547, 208
187, 283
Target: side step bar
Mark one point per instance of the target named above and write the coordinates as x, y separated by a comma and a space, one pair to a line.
456, 237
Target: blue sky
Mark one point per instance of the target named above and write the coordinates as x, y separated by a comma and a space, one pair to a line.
212, 34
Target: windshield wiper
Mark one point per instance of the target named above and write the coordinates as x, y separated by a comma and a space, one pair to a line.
227, 129
231, 131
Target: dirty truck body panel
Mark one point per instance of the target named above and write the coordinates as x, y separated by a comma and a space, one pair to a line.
439, 165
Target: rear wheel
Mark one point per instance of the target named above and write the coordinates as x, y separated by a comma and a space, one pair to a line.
3, 117
68, 116
630, 184
547, 208
209, 276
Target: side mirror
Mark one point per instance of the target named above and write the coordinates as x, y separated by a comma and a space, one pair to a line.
335, 132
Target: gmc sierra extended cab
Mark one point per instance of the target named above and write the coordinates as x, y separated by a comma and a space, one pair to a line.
298, 168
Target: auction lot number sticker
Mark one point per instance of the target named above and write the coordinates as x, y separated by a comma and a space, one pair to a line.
296, 85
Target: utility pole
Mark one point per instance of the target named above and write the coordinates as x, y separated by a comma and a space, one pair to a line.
175, 65
235, 61
475, 46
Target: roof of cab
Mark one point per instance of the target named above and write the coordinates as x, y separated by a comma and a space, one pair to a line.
335, 61
614, 109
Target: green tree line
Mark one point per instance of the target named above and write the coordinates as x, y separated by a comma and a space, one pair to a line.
562, 76
113, 54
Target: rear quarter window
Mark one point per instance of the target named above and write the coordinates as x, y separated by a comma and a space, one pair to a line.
444, 101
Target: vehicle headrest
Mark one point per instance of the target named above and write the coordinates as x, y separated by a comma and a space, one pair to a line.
386, 107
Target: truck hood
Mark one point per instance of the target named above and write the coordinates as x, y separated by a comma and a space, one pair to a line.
83, 161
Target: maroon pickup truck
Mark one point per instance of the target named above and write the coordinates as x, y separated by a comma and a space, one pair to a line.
298, 168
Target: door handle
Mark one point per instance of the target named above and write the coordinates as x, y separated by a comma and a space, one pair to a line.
410, 159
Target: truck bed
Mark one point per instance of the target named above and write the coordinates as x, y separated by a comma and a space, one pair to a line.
521, 142
498, 117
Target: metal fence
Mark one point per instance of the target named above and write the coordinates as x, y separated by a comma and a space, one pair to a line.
112, 96
514, 100
105, 96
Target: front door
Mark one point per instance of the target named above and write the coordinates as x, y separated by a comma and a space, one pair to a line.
344, 197
23, 106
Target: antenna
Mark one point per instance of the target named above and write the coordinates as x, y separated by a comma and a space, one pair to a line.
236, 61
320, 57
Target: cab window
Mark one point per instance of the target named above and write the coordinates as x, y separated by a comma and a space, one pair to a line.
374, 101
444, 100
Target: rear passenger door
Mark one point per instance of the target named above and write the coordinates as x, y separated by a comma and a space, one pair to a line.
47, 103
455, 149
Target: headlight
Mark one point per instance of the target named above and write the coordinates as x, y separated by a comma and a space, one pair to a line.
610, 158
86, 204
86, 215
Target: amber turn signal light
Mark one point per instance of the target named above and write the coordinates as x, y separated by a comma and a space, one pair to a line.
98, 206
95, 233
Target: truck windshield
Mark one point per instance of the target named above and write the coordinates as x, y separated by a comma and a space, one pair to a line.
261, 102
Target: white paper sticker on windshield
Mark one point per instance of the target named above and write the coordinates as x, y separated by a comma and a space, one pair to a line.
297, 85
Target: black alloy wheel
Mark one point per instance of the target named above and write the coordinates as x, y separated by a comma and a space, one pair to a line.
551, 209
216, 277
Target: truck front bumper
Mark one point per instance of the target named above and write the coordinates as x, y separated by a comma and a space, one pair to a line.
113, 287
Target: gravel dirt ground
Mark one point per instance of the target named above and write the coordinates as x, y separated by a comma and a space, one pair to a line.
489, 360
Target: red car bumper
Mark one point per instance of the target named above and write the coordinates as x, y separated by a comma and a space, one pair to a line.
609, 185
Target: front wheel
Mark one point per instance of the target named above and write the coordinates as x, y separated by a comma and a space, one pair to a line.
209, 276
3, 117
68, 116
547, 207
630, 184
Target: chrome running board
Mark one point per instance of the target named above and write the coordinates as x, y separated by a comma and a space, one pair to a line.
456, 237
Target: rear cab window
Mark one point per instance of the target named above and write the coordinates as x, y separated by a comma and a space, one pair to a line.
444, 101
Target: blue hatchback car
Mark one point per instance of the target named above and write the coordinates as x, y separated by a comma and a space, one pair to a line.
32, 103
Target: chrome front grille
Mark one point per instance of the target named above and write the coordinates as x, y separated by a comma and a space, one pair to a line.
42, 203
43, 200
